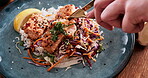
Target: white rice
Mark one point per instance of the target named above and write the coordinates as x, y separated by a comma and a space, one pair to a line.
51, 11
24, 37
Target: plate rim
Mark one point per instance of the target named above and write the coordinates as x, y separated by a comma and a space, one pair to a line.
115, 73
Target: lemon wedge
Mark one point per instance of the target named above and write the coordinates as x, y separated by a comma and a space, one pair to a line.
23, 17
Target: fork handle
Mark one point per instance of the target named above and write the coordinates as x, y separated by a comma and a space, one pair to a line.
89, 5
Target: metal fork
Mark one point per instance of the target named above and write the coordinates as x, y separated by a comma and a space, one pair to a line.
81, 12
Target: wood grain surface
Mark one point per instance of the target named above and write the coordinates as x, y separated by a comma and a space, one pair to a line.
137, 66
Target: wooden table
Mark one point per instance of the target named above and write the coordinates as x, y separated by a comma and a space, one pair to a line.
138, 64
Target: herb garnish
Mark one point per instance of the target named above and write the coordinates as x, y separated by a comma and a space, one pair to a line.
100, 48
58, 29
21, 43
51, 56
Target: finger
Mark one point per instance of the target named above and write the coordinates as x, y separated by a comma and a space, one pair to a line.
112, 14
103, 24
99, 6
107, 26
130, 26
90, 14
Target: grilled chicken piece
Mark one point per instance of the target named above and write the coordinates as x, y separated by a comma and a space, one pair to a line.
50, 45
35, 26
34, 33
65, 11
71, 30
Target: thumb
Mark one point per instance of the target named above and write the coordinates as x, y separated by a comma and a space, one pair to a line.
90, 14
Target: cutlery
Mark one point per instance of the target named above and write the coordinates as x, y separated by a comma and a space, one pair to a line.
82, 11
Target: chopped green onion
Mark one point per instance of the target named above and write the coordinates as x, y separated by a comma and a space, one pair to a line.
100, 48
50, 56
21, 43
58, 29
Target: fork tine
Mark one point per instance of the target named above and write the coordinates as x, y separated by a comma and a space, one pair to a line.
78, 13
81, 12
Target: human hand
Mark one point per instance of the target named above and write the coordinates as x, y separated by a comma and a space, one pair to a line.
129, 15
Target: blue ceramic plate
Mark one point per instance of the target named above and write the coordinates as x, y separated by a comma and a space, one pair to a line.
118, 48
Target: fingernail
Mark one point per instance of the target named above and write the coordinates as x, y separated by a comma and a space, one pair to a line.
88, 14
